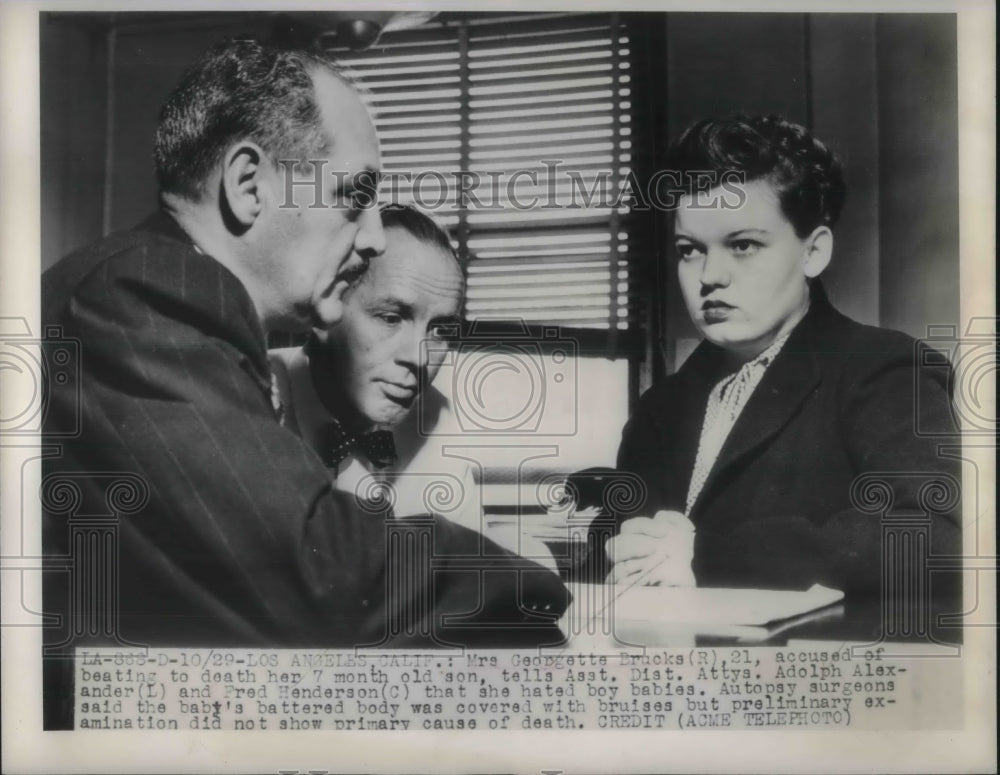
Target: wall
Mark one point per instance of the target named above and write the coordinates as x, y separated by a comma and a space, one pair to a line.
97, 166
918, 170
73, 104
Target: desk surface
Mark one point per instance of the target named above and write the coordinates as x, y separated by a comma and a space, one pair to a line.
589, 623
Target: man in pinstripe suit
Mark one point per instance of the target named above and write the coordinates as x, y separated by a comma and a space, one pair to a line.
233, 535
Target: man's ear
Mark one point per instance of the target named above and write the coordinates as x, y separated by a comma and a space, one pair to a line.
243, 181
818, 252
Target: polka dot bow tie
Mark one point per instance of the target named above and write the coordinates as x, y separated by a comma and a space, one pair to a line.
378, 446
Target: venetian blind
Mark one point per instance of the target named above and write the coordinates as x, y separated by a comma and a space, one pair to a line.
516, 130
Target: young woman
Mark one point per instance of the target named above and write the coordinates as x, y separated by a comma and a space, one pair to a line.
766, 454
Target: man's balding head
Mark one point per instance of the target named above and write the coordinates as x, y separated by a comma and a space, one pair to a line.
239, 89
268, 159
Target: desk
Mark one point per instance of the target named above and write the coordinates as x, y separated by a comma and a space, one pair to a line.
589, 623
577, 547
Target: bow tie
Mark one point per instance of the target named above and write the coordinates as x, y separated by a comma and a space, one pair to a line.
378, 446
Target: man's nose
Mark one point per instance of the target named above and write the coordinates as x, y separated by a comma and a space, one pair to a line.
715, 269
412, 350
370, 239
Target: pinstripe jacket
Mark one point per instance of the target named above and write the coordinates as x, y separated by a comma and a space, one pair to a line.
223, 525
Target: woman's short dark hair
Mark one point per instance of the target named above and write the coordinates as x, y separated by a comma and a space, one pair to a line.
804, 173
239, 89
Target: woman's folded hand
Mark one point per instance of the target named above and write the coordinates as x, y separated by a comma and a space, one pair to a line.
653, 551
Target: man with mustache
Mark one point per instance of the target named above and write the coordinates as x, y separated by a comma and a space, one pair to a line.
229, 533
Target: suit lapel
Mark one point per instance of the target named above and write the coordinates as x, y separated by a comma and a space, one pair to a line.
785, 386
695, 380
228, 298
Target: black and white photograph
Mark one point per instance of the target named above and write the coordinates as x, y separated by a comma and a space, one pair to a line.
497, 388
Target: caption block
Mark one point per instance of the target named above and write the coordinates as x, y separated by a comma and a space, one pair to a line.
676, 689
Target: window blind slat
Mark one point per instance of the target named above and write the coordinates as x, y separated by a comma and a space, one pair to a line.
565, 288
426, 92
513, 264
546, 96
510, 30
604, 98
414, 111
563, 84
576, 234
541, 71
599, 52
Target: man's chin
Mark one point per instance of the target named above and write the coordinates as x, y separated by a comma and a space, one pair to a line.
389, 417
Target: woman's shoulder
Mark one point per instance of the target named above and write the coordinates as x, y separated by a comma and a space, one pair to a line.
844, 339
863, 360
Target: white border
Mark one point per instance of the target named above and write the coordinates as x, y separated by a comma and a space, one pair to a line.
25, 749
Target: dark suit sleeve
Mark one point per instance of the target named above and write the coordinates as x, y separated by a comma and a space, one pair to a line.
243, 540
645, 452
899, 474
640, 443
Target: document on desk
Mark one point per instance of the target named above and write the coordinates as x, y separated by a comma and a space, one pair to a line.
655, 615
